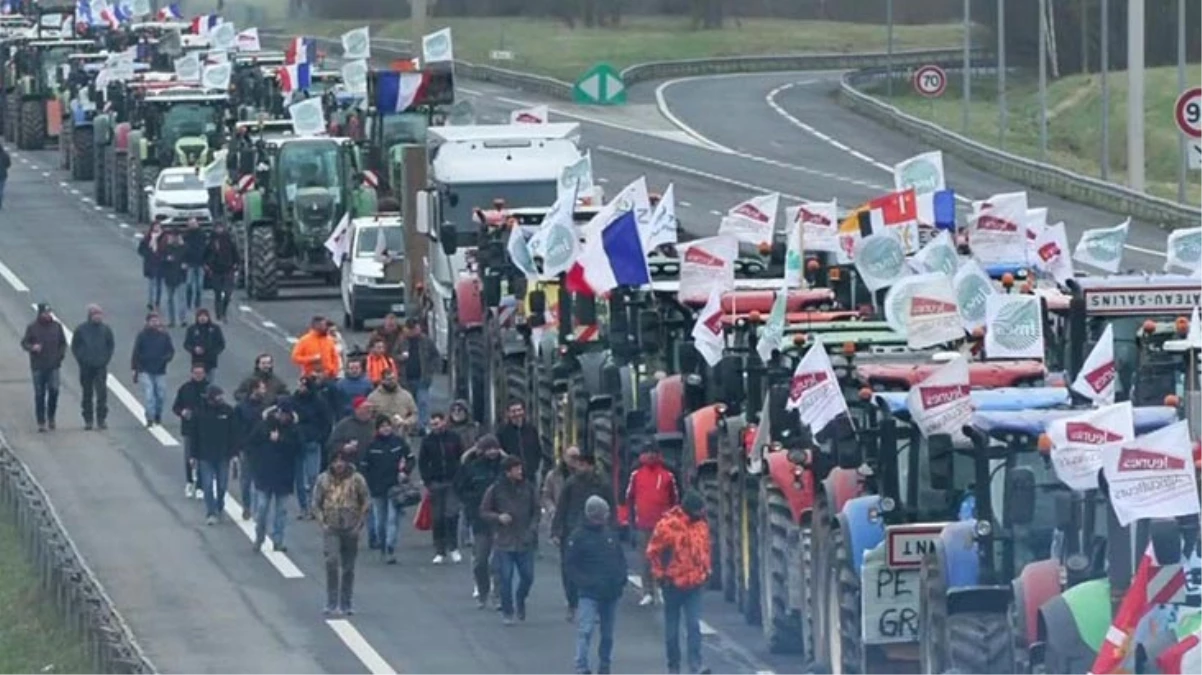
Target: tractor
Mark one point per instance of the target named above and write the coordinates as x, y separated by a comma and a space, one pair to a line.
387, 131
33, 106
76, 139
111, 129
303, 188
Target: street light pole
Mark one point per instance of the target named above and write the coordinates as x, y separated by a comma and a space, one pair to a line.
1001, 74
1104, 66
1182, 144
1135, 94
1043, 80
417, 18
889, 47
967, 65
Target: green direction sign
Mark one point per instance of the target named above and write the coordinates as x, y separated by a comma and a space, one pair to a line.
601, 85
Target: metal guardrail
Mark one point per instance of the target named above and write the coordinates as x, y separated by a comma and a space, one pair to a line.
853, 93
65, 579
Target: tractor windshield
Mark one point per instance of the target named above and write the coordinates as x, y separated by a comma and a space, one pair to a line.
52, 59
462, 200
305, 165
404, 128
183, 120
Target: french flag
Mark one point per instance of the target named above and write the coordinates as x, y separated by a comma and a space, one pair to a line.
83, 10
170, 13
301, 50
396, 92
295, 77
611, 257
204, 23
123, 12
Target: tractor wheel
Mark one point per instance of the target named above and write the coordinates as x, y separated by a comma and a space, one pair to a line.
814, 561
82, 146
477, 374
131, 186
264, 274
782, 626
981, 642
12, 116
707, 483
32, 134
749, 604
843, 607
116, 176
101, 181
805, 551
64, 147
729, 517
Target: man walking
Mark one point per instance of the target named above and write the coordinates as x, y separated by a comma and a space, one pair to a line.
92, 346
438, 461
341, 500
189, 399
511, 507
419, 357
597, 565
585, 482
152, 352
649, 495
679, 554
480, 468
46, 343
275, 448
194, 264
215, 436
264, 373
5, 163
313, 422
520, 439
221, 261
384, 464
248, 415
205, 341
315, 352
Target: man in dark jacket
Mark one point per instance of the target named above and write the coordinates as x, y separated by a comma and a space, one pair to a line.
46, 343
520, 439
358, 429
480, 467
189, 399
275, 447
152, 352
264, 372
205, 341
351, 386
92, 346
313, 422
5, 163
418, 360
221, 264
195, 241
438, 461
384, 464
215, 437
248, 414
511, 507
171, 269
597, 565
584, 482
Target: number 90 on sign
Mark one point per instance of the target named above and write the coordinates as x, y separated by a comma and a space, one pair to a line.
930, 81
1188, 112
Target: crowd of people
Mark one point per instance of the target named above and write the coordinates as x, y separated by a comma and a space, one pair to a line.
340, 442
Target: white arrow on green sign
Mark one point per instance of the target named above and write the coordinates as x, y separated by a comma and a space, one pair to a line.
601, 85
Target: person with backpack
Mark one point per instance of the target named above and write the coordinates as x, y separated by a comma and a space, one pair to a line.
597, 566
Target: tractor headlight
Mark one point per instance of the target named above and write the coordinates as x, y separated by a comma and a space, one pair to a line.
887, 504
983, 529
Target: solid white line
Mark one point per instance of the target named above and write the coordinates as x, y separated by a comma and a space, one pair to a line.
662, 104
358, 645
770, 99
278, 560
269, 324
12, 279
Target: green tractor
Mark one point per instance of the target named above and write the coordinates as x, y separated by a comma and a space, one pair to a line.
33, 107
77, 100
178, 126
303, 188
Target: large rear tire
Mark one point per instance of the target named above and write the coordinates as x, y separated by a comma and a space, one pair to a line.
477, 374
120, 181
263, 278
814, 560
12, 116
32, 133
843, 608
83, 142
781, 624
64, 147
707, 483
101, 180
966, 642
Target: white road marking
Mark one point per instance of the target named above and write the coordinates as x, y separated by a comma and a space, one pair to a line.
74, 191
751, 187
684, 203
292, 339
12, 279
664, 110
269, 324
63, 183
45, 174
715, 212
637, 581
111, 216
123, 225
359, 646
244, 308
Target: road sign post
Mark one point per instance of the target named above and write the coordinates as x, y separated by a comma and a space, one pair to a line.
1187, 113
601, 85
930, 81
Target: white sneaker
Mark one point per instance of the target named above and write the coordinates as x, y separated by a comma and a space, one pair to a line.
456, 557
659, 597
189, 491
647, 600
438, 560
200, 495
475, 592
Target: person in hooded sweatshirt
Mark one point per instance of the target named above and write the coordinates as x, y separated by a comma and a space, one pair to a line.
46, 342
275, 446
384, 464
171, 270
438, 461
390, 332
150, 250
352, 385
584, 482
205, 341
195, 241
649, 494
92, 345
597, 564
264, 372
357, 429
314, 421
479, 468
395, 402
215, 438
189, 399
679, 554
462, 423
248, 413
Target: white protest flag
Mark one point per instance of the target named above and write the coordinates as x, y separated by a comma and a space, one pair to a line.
819, 223
308, 117
924, 174
1051, 253
814, 391
663, 226
772, 333
1037, 220
707, 332
973, 288
1013, 327
437, 47
1184, 251
939, 255
187, 68
707, 265
248, 40
760, 442
380, 250
1103, 248
559, 245
1194, 337
519, 252
934, 318
339, 241
1097, 377
217, 78
539, 114
752, 221
880, 259
577, 177
997, 230
1152, 476
632, 198
215, 173
224, 37
354, 76
1078, 441
356, 44
794, 267
942, 403
897, 300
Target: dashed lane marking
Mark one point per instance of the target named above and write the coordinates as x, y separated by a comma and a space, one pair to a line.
270, 324
695, 172
358, 645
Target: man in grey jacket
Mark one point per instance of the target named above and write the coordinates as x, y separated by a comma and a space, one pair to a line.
92, 346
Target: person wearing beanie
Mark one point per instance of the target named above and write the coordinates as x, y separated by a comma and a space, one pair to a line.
153, 350
204, 341
596, 564
216, 435
511, 507
341, 500
46, 342
584, 482
679, 556
92, 345
274, 451
358, 428
479, 468
649, 494
189, 399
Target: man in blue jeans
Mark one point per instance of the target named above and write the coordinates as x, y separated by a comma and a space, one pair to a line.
195, 241
596, 564
214, 446
314, 421
512, 508
5, 163
152, 352
418, 361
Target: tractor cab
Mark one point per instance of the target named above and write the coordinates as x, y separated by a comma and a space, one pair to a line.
182, 126
388, 130
33, 108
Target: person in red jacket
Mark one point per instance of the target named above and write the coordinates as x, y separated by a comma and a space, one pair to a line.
649, 495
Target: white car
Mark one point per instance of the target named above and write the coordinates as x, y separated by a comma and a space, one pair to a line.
178, 196
366, 293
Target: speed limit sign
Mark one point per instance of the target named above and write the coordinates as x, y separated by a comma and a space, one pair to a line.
1189, 112
930, 81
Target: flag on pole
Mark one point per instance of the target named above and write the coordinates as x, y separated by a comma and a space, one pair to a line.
397, 92
612, 256
339, 241
707, 332
1097, 377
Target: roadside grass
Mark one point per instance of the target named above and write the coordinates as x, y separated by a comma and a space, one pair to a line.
1074, 123
32, 638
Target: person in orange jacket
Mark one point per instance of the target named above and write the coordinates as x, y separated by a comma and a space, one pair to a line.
378, 361
316, 353
679, 555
